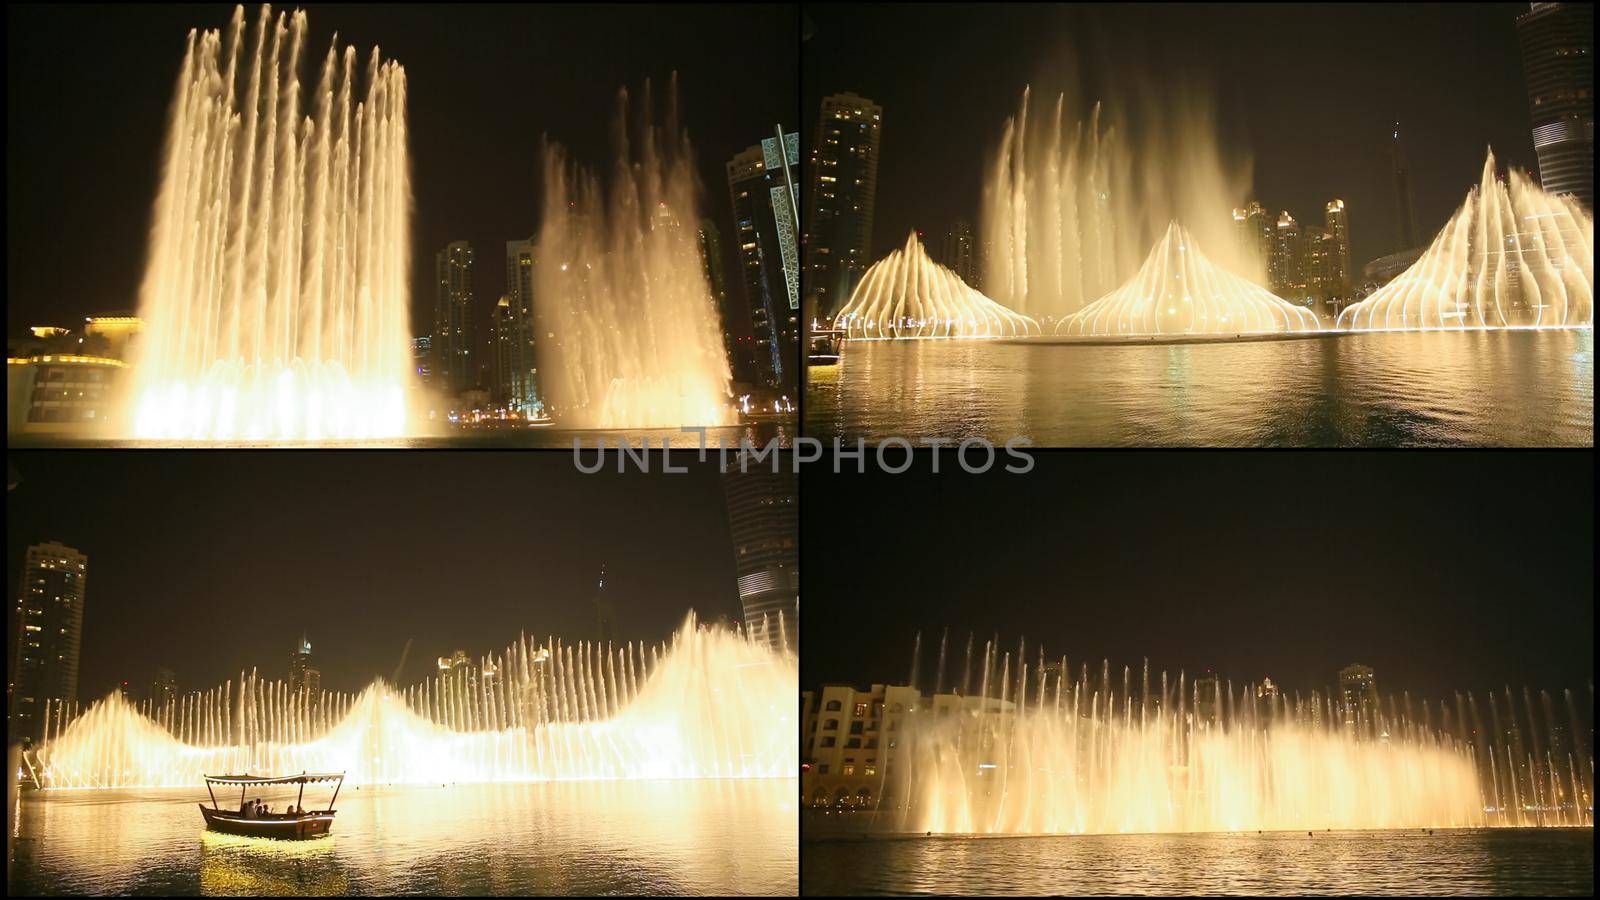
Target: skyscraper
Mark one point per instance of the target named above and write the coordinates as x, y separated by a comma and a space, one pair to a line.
958, 252
49, 615
764, 521
522, 372
1558, 65
1358, 698
737, 340
1317, 254
1337, 222
843, 191
760, 182
455, 368
303, 676
1286, 266
1405, 206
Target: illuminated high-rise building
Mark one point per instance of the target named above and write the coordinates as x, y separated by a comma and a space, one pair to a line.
455, 356
1337, 222
49, 622
303, 676
521, 379
843, 189
1358, 698
1286, 266
164, 688
1558, 66
761, 183
1317, 259
957, 252
764, 521
1254, 230
1405, 205
737, 337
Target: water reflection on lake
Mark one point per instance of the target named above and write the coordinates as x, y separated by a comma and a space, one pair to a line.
1498, 388
662, 837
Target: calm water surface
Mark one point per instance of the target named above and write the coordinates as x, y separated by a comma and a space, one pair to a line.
675, 837
1505, 388
1478, 862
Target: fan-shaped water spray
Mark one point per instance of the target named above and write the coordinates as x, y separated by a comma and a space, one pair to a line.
1513, 256
908, 295
1179, 291
276, 294
619, 282
712, 703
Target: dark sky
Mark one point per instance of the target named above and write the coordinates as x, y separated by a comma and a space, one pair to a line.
209, 562
88, 91
1442, 571
1309, 91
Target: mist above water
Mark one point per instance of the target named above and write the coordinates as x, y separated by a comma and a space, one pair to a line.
637, 339
1076, 195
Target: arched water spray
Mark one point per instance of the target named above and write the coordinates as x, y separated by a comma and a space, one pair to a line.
908, 295
276, 293
637, 340
711, 703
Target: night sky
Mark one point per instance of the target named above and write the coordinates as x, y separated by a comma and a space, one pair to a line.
88, 92
1441, 570
1308, 91
209, 562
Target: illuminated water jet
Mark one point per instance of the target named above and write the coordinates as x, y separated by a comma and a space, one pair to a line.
1035, 750
1071, 209
1179, 291
712, 703
908, 295
275, 297
1513, 256
620, 284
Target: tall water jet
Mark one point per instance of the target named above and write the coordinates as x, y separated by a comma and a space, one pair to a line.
908, 295
711, 703
1037, 749
275, 296
1179, 291
620, 284
1071, 207
1513, 256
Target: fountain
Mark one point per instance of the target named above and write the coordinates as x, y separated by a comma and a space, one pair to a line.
1513, 256
637, 341
275, 296
1178, 291
1037, 751
1068, 214
908, 295
714, 702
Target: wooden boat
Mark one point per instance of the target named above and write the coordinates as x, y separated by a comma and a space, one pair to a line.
282, 826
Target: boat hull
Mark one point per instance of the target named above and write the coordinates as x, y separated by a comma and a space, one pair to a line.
288, 828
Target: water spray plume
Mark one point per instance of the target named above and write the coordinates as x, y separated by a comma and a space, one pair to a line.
276, 292
712, 703
619, 282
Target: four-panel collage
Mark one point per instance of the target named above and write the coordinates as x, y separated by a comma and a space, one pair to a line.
780, 449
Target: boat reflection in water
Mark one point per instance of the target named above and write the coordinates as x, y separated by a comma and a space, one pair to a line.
234, 866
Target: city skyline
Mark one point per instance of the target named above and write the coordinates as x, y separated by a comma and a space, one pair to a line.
466, 187
540, 530
1314, 139
1124, 560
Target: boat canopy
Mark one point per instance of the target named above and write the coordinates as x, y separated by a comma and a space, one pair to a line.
302, 778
